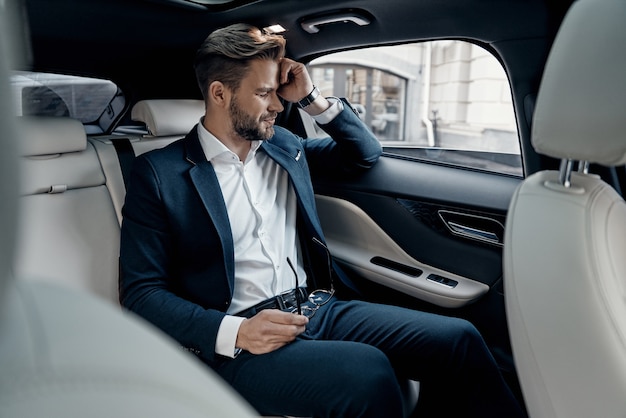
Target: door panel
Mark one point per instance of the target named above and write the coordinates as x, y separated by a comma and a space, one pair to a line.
430, 213
360, 245
402, 221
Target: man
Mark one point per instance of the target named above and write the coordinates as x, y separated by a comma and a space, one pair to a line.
220, 237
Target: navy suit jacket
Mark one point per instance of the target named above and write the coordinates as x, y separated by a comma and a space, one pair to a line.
176, 257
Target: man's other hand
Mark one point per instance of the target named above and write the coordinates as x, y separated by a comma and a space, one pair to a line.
269, 330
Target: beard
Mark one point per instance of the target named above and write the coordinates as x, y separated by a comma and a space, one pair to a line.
246, 126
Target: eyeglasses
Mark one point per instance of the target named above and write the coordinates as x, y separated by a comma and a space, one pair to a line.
317, 298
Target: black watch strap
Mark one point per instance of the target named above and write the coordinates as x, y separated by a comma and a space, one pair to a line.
309, 98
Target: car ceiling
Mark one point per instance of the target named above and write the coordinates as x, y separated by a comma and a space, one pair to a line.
147, 46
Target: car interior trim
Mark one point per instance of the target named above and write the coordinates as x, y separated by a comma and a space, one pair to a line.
354, 239
478, 228
312, 24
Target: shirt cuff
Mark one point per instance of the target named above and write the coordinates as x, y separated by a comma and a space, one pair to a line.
227, 336
331, 113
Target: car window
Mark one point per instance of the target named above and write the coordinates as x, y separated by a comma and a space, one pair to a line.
443, 101
94, 102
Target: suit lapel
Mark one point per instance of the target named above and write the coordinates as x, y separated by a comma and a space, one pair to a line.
205, 181
294, 162
289, 156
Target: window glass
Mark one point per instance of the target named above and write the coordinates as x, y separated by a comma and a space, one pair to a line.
91, 101
444, 101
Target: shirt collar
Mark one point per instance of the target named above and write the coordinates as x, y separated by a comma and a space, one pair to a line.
213, 147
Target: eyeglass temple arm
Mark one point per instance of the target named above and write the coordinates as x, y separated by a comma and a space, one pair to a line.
329, 256
298, 305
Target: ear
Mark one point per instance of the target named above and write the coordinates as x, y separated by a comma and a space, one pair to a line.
218, 94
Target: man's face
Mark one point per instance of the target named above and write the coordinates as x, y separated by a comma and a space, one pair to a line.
255, 104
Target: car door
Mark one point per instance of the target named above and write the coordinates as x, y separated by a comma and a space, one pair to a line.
424, 235
424, 227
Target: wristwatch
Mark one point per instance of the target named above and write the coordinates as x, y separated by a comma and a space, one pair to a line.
309, 98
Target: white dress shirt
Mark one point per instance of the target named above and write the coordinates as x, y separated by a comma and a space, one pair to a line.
261, 206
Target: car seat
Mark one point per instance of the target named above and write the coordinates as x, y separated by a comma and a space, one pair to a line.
565, 239
68, 354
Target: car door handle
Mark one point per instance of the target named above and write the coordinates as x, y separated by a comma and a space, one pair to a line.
479, 228
474, 233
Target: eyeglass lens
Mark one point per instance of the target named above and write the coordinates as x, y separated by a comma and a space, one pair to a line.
317, 297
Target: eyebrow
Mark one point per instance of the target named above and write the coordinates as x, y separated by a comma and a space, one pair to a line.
265, 89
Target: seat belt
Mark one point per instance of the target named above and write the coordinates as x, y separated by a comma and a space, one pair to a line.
125, 155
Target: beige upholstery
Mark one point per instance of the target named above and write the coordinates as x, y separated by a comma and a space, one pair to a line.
66, 354
168, 117
565, 240
165, 120
112, 172
47, 136
73, 192
8, 169
68, 231
580, 112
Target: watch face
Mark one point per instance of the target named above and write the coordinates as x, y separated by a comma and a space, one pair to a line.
309, 98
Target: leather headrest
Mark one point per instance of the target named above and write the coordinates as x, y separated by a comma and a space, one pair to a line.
580, 106
168, 117
46, 135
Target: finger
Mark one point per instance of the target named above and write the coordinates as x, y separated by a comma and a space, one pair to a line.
279, 333
286, 67
260, 334
272, 336
274, 323
284, 318
284, 333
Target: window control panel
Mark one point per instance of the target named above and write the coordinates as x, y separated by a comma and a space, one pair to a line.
444, 281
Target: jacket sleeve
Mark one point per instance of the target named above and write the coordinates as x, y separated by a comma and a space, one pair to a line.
146, 267
350, 146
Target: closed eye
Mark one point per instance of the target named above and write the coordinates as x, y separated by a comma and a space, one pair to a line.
265, 91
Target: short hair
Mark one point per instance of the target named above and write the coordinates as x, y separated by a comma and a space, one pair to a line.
226, 53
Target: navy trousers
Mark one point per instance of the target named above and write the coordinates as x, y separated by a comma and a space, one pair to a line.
352, 355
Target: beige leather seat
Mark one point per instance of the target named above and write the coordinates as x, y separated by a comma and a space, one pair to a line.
565, 242
65, 354
72, 193
68, 231
166, 120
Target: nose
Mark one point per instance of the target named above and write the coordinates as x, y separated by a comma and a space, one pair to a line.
275, 104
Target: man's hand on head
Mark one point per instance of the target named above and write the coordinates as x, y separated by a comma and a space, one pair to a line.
296, 84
